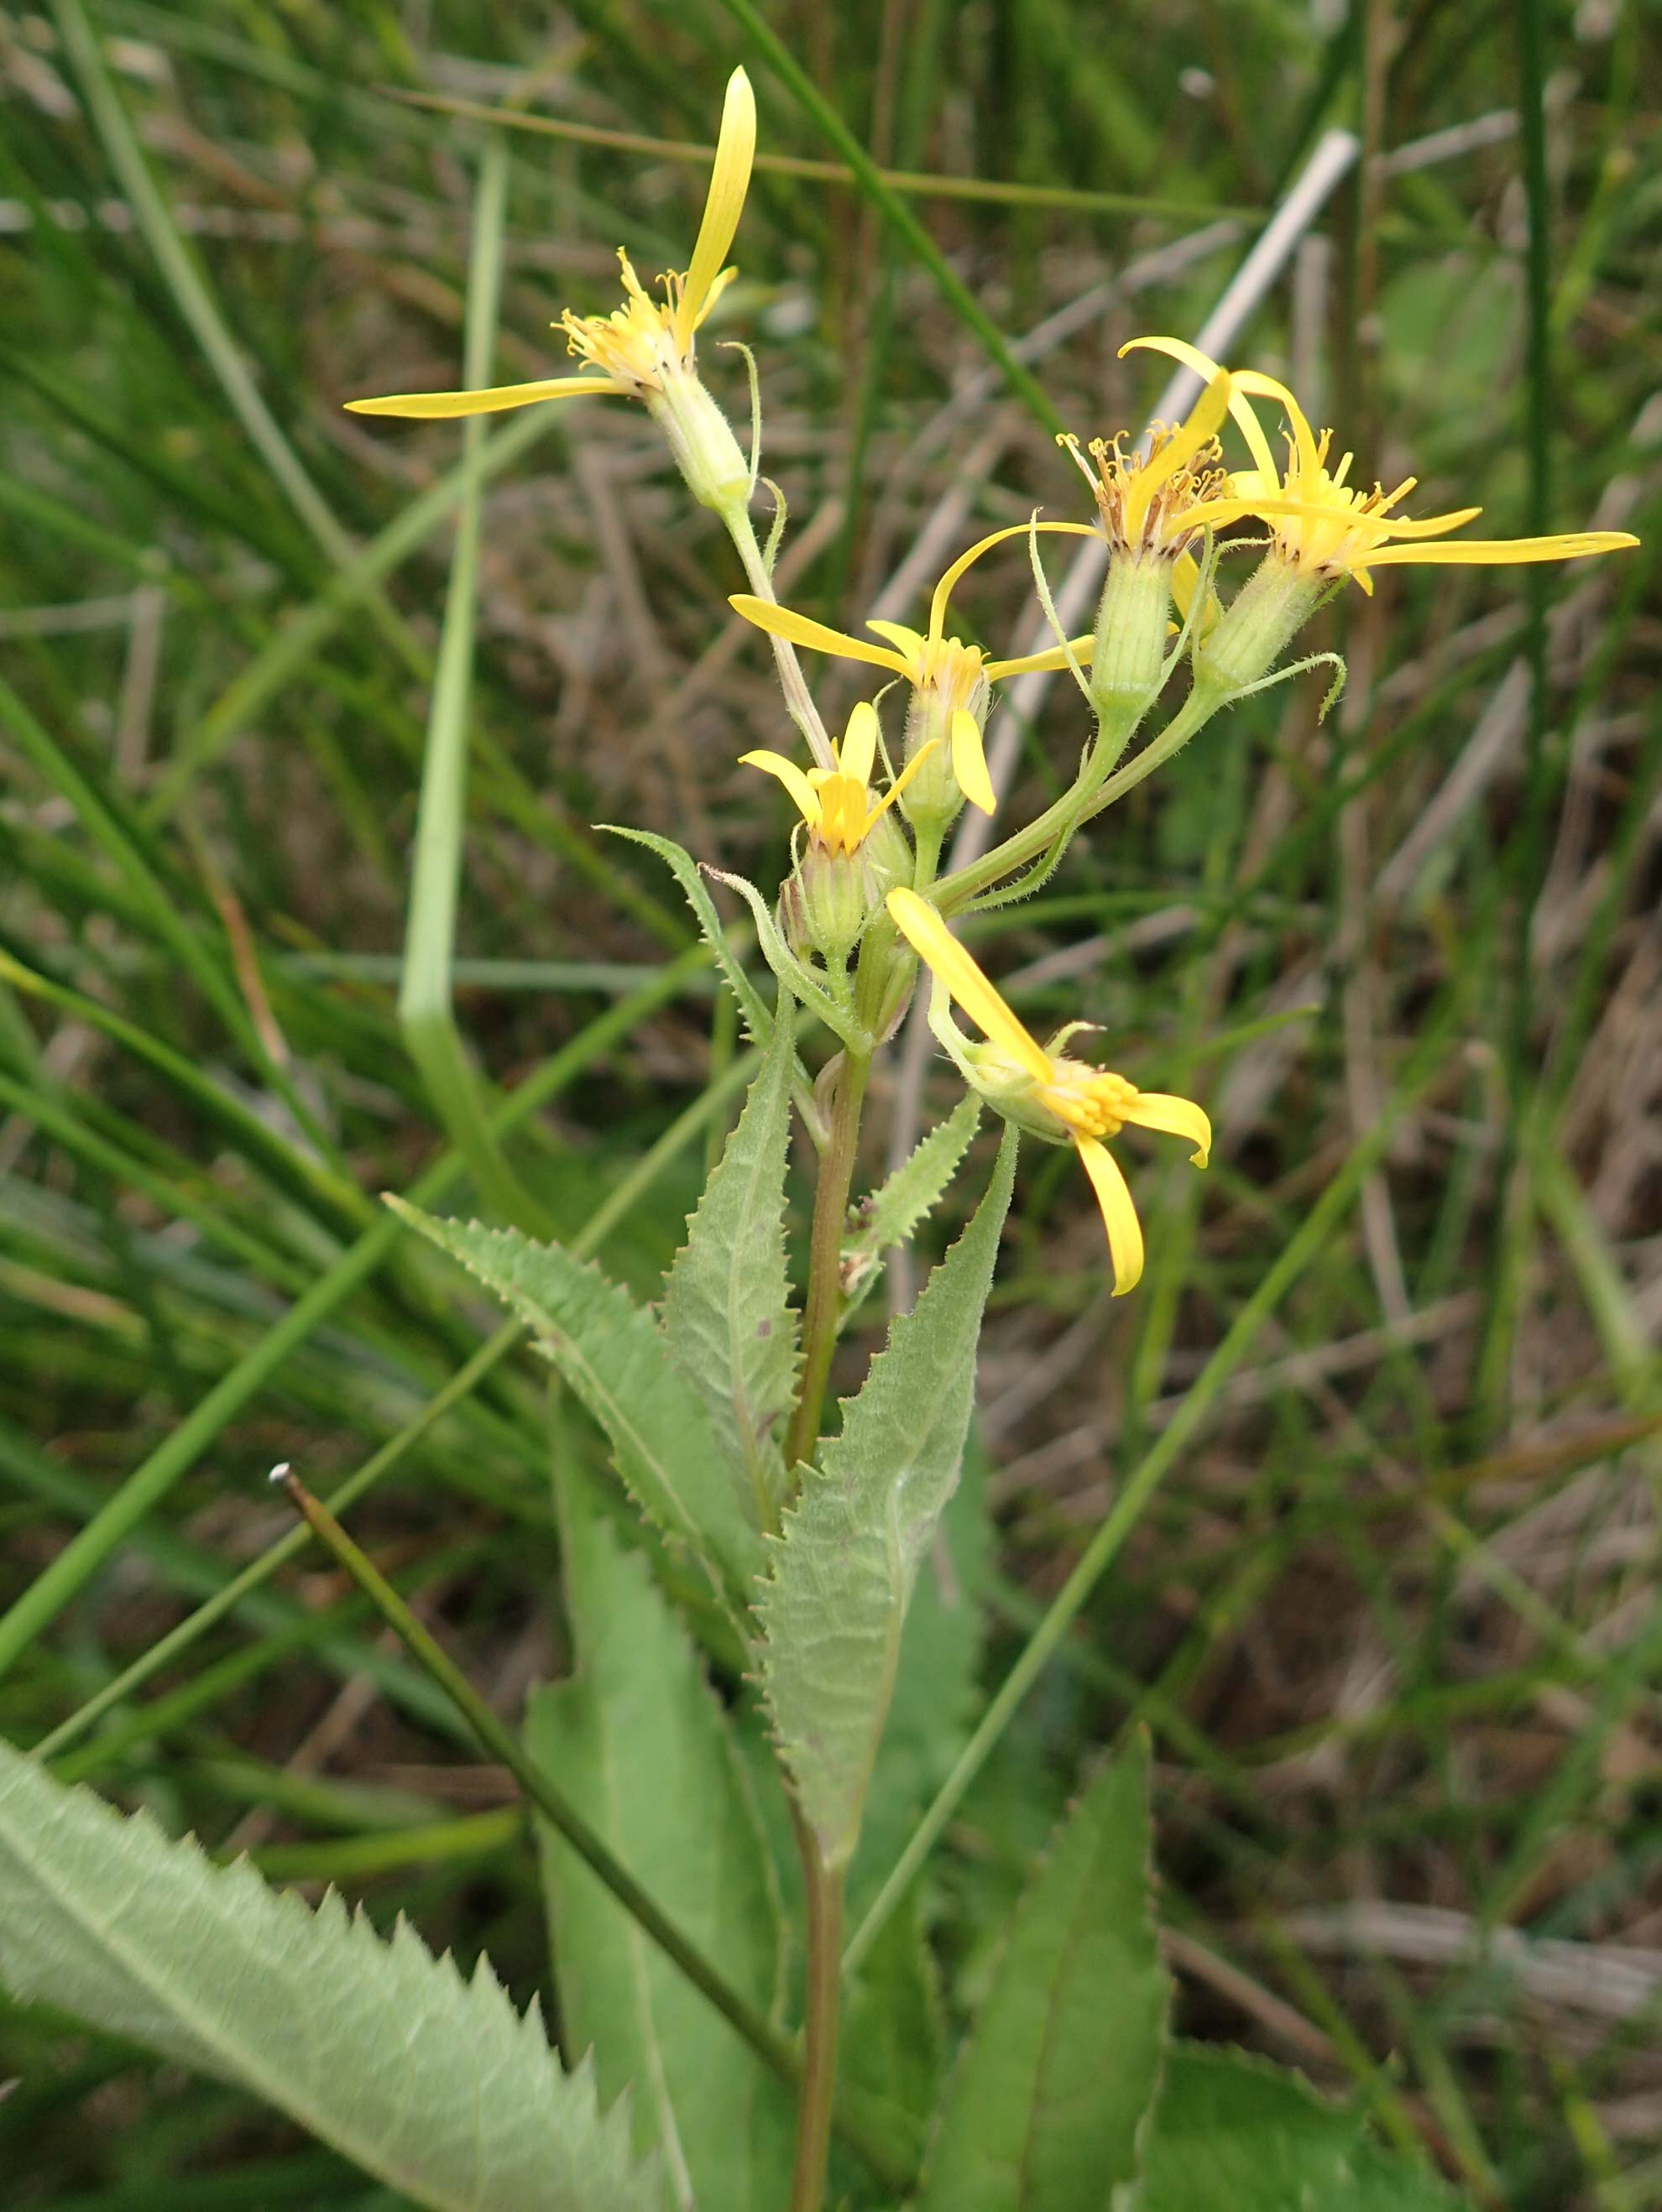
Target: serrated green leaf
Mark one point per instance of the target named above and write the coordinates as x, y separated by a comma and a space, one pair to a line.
933, 1706
892, 2044
726, 1311
1231, 2128
842, 1571
890, 1215
642, 1747
752, 1007
1050, 2099
614, 1357
433, 2085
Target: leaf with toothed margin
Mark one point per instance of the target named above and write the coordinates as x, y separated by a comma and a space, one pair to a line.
752, 1008
1048, 2108
436, 2085
842, 1571
726, 1311
890, 1215
614, 1357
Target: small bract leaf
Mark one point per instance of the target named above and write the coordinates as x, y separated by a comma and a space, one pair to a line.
641, 1745
614, 1358
752, 1007
1049, 2101
436, 2085
890, 1215
726, 1311
833, 1610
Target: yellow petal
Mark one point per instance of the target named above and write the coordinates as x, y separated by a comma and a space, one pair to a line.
923, 928
1268, 387
943, 590
908, 643
1054, 656
1179, 1117
1178, 451
858, 750
729, 180
970, 762
1501, 552
785, 622
1119, 1216
900, 782
807, 798
1191, 357
437, 406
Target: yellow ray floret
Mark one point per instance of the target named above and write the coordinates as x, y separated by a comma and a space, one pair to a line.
1158, 504
930, 659
1330, 529
1062, 1097
643, 342
837, 802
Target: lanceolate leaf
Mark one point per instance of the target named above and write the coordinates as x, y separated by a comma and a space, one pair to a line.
614, 1358
436, 2085
759, 1021
641, 1743
1231, 2129
1049, 2101
726, 1308
844, 1569
889, 1216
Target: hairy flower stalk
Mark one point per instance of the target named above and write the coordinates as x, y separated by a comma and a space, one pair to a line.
1039, 1087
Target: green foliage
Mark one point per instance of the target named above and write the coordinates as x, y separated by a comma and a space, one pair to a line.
614, 1358
893, 2039
843, 1573
433, 2084
726, 1311
892, 1212
1231, 2129
1048, 2103
643, 1748
752, 1007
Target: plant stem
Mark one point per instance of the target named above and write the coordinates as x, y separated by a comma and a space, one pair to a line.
813, 2113
799, 703
831, 1206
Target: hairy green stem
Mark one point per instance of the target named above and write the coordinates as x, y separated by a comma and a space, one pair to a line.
830, 1207
813, 2113
799, 702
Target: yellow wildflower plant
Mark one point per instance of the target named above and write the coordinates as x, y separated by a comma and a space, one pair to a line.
836, 802
1327, 529
640, 348
1062, 1100
950, 679
1160, 502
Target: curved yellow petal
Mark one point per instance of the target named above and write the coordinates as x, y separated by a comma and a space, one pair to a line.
1204, 418
970, 762
1177, 1117
1119, 1216
807, 798
1054, 656
857, 753
1502, 552
785, 622
929, 935
441, 406
943, 590
1203, 366
1433, 525
900, 782
1253, 381
908, 643
729, 180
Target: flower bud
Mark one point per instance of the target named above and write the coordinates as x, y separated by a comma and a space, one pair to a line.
700, 439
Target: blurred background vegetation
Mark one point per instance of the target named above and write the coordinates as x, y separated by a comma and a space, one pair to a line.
1392, 1614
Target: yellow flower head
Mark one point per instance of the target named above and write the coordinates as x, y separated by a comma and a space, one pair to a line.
950, 675
642, 345
836, 802
1327, 529
1158, 505
1065, 1100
